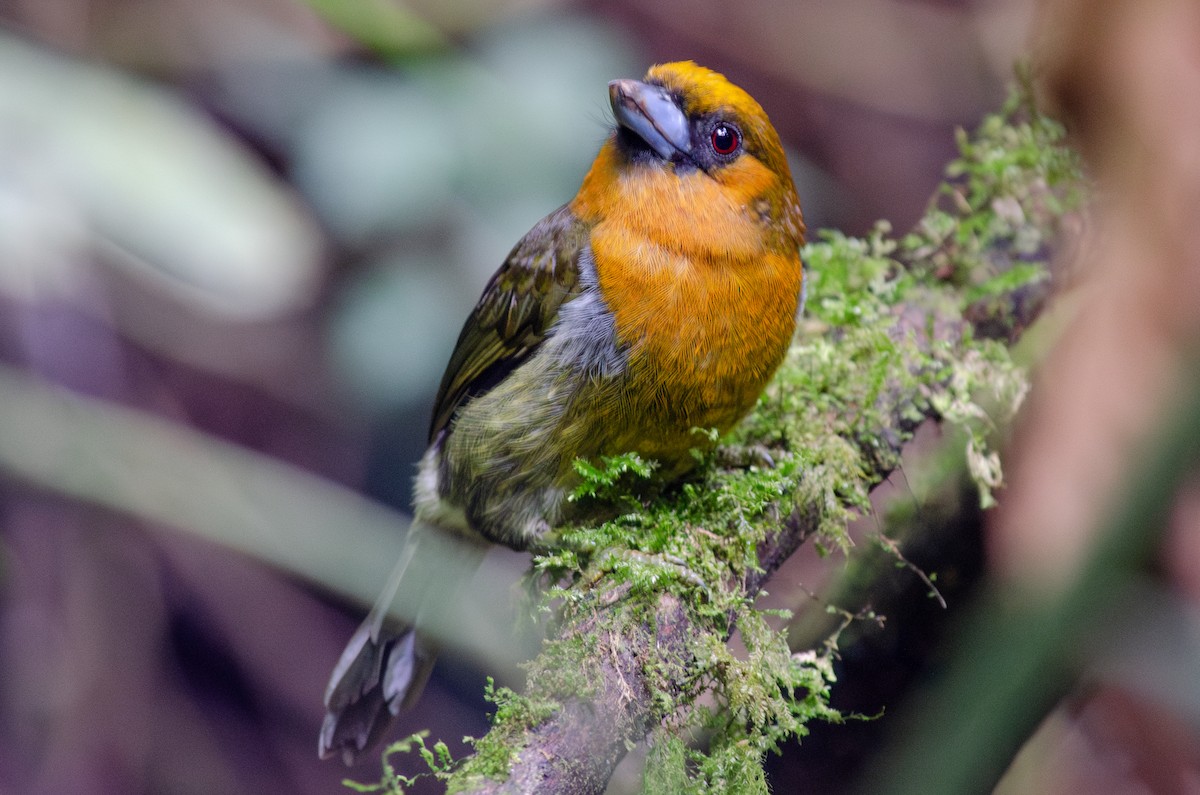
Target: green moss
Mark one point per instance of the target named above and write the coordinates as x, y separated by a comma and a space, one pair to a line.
609, 479
991, 225
494, 751
437, 759
758, 703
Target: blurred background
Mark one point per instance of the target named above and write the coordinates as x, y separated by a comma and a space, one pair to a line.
237, 242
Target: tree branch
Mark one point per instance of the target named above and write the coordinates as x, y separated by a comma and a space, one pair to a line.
576, 749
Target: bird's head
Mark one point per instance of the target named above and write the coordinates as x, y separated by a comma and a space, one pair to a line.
685, 134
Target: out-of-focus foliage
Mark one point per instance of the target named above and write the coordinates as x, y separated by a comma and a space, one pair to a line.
93, 158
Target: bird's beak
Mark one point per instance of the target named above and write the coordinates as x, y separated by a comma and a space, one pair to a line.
652, 114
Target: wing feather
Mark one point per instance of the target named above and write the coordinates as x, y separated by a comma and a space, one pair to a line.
515, 313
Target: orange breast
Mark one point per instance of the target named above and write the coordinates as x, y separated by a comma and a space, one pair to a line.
703, 289
704, 334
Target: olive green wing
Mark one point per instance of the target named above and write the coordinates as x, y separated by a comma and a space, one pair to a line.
515, 312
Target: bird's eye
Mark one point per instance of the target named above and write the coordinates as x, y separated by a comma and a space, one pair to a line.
725, 139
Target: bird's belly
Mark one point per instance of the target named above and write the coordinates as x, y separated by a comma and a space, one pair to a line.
507, 462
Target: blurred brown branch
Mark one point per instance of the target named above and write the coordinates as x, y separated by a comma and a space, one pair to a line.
1095, 543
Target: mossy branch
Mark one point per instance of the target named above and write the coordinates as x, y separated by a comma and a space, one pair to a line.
644, 648
899, 330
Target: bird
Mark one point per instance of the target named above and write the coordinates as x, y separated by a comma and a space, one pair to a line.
658, 301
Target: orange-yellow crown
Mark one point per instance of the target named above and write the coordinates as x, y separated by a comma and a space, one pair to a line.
705, 92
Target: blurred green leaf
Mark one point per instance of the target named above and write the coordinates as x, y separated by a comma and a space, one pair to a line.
152, 184
386, 27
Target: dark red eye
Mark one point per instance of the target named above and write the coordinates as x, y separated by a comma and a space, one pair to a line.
725, 139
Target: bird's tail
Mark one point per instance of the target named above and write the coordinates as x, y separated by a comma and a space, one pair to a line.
387, 662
